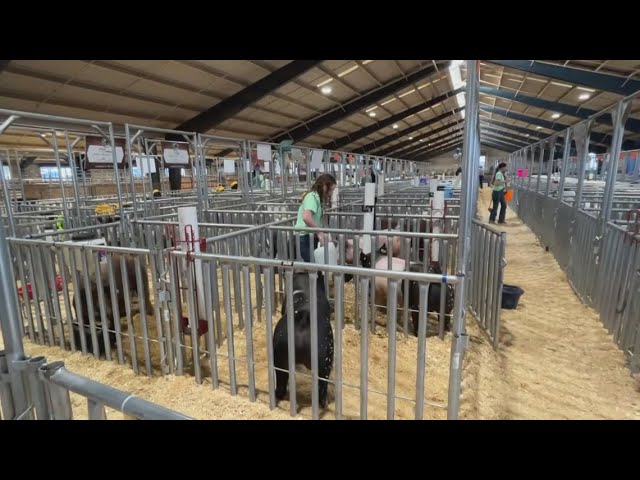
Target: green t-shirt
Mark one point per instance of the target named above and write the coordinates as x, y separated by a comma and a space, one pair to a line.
311, 202
498, 188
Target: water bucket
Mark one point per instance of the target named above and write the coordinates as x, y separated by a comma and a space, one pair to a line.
318, 254
511, 296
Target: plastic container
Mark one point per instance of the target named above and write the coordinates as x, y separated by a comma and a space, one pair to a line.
333, 254
511, 296
509, 195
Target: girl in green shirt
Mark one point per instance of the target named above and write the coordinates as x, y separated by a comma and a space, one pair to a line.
310, 213
497, 196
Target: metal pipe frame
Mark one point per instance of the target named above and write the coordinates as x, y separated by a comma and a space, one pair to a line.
467, 209
56, 374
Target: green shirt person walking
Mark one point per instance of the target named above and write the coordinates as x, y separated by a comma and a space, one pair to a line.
497, 196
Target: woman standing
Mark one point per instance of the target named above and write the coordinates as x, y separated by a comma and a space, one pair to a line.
497, 196
310, 213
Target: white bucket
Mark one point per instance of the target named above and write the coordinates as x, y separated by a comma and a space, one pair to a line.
333, 254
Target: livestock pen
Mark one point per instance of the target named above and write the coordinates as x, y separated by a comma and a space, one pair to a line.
212, 290
240, 273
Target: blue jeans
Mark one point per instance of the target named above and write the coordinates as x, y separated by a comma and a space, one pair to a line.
305, 251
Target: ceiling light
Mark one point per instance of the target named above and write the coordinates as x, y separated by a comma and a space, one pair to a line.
421, 140
372, 114
555, 115
410, 138
395, 125
538, 128
583, 96
326, 90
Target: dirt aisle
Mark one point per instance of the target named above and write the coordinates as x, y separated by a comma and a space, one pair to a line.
558, 361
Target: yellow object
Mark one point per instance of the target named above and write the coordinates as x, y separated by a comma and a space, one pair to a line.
219, 188
234, 184
59, 223
106, 209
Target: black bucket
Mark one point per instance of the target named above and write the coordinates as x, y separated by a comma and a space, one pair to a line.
83, 236
511, 296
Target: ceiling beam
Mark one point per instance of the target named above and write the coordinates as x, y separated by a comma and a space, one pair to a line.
398, 151
530, 140
514, 136
555, 126
488, 143
440, 151
435, 147
504, 140
413, 149
600, 81
355, 136
595, 137
533, 133
632, 124
506, 144
341, 112
237, 102
375, 145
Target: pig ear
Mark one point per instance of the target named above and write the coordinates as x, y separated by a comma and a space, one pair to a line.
383, 249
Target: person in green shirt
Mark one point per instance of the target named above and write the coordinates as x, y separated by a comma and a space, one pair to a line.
310, 213
499, 184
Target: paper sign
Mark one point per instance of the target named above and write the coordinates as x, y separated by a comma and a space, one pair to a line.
264, 151
175, 154
229, 166
316, 159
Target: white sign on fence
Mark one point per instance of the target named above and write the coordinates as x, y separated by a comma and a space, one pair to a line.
104, 154
264, 151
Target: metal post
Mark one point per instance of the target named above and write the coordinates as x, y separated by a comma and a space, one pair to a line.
9, 312
532, 150
540, 166
129, 155
6, 399
65, 208
464, 237
7, 197
72, 165
565, 160
582, 133
552, 153
37, 389
117, 180
619, 119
